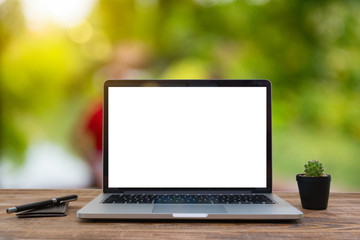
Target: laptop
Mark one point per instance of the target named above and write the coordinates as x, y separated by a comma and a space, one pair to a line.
187, 149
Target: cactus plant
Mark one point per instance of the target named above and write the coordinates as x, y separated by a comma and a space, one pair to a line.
314, 186
314, 169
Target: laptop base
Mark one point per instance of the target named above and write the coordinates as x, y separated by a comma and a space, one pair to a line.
279, 211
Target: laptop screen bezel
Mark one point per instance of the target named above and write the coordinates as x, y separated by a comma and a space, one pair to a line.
190, 83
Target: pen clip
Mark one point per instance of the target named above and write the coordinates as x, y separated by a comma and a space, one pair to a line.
68, 200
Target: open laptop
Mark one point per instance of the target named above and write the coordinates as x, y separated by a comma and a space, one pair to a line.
187, 149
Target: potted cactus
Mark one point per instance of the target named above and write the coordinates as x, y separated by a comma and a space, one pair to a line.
314, 186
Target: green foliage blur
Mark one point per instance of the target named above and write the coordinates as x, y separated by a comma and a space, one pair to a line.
309, 50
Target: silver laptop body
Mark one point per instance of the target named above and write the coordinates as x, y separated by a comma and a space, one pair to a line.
187, 149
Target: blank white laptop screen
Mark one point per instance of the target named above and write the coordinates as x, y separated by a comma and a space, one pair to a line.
187, 137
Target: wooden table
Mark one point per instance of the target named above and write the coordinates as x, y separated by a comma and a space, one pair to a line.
340, 221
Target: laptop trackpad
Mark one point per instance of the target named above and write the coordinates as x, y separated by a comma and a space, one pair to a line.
160, 208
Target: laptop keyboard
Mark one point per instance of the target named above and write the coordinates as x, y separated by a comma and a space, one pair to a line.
188, 199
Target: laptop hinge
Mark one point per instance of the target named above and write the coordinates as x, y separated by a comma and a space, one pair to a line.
185, 192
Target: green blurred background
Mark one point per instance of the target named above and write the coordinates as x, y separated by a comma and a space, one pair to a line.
55, 55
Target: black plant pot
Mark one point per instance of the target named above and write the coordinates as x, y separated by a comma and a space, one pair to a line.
314, 191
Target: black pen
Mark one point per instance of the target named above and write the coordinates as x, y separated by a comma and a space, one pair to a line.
34, 205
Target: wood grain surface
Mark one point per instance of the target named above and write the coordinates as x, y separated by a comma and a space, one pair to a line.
340, 221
